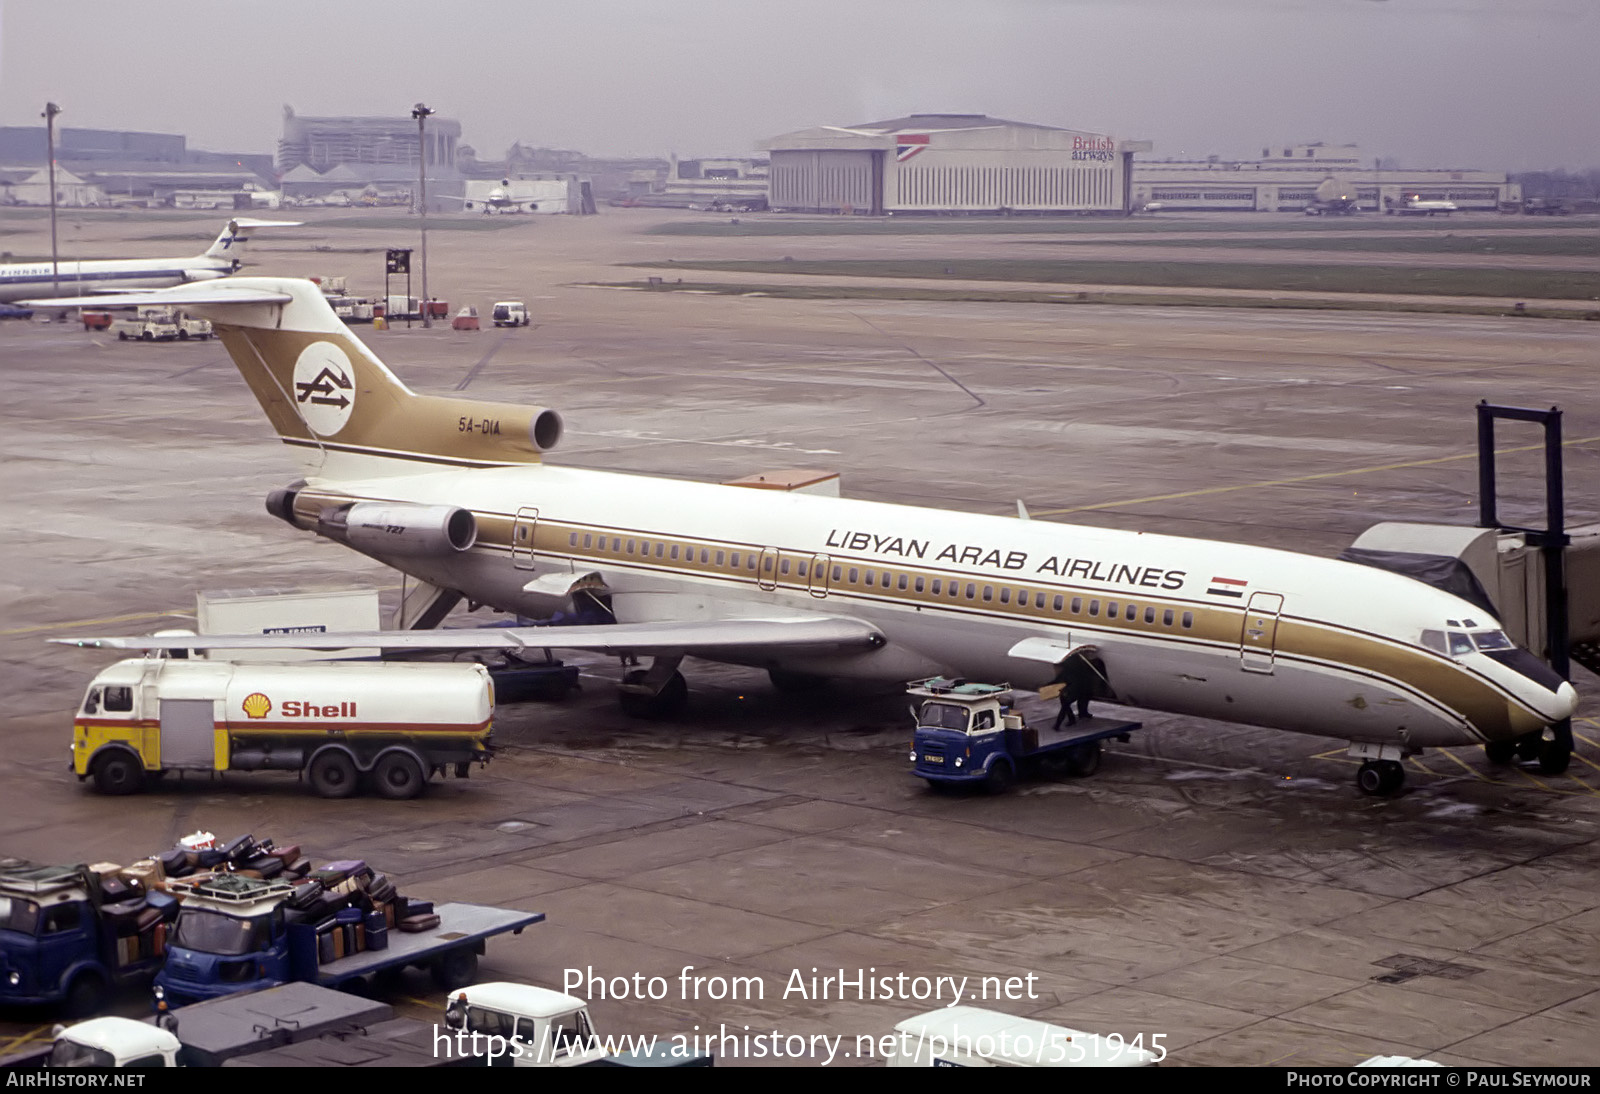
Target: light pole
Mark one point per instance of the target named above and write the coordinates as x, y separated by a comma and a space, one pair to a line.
421, 112
49, 116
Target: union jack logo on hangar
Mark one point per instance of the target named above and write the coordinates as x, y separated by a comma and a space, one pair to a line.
907, 145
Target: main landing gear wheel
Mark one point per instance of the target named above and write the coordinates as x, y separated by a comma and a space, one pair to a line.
670, 700
1380, 778
1530, 746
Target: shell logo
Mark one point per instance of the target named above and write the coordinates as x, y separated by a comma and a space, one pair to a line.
256, 705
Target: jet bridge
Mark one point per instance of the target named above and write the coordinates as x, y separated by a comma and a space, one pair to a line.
1541, 583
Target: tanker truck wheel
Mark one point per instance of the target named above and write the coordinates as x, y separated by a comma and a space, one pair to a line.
398, 776
118, 772
333, 774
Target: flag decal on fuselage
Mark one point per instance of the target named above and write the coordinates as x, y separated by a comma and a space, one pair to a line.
1227, 586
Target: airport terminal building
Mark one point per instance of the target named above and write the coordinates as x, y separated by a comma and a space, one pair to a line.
1286, 177
950, 164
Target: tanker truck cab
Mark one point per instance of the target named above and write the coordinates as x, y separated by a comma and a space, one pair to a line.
390, 725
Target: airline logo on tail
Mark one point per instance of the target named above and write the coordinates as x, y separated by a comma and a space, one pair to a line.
324, 392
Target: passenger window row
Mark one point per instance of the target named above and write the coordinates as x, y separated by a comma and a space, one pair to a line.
774, 563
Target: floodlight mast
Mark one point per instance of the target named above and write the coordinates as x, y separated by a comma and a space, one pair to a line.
421, 112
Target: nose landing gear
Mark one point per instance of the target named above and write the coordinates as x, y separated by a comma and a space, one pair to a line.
1553, 754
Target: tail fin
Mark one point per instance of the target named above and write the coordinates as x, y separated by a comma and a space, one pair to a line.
236, 233
337, 406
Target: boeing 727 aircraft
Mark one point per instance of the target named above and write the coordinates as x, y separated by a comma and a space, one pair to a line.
455, 493
225, 256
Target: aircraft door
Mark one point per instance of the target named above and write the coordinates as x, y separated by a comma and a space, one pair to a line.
187, 733
819, 575
1258, 636
522, 530
767, 568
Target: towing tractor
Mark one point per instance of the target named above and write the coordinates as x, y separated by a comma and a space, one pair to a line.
390, 725
970, 734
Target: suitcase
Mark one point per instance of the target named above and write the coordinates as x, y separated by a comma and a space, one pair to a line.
416, 924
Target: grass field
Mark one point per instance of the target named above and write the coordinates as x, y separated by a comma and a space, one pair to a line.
1310, 226
1486, 243
1170, 299
1535, 284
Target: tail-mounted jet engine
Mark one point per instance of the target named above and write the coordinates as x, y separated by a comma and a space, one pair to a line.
396, 528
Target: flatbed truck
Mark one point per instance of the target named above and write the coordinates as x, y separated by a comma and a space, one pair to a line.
970, 734
70, 937
244, 934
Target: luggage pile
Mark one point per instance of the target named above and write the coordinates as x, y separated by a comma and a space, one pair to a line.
350, 907
199, 855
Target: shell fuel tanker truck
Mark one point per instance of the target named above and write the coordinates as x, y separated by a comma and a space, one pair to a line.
391, 725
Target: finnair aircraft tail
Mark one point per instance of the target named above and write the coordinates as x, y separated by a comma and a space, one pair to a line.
93, 278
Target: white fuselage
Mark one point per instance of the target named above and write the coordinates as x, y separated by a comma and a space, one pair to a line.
1220, 630
26, 280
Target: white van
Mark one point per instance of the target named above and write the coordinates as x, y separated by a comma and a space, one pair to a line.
510, 313
972, 1037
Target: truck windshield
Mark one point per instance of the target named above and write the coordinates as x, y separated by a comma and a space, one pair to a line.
17, 914
944, 716
65, 1053
213, 932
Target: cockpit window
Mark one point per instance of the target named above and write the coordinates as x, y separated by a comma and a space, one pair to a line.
1492, 640
1459, 643
1434, 640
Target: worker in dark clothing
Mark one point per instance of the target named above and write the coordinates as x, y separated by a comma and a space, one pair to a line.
1076, 677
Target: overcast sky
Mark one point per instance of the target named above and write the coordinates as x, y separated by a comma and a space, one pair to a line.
1494, 84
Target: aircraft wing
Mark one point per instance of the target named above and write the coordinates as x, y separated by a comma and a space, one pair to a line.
194, 292
818, 632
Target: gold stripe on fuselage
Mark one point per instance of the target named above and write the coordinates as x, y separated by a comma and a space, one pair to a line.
1454, 691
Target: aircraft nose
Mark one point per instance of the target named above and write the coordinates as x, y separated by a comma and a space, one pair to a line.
1566, 703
